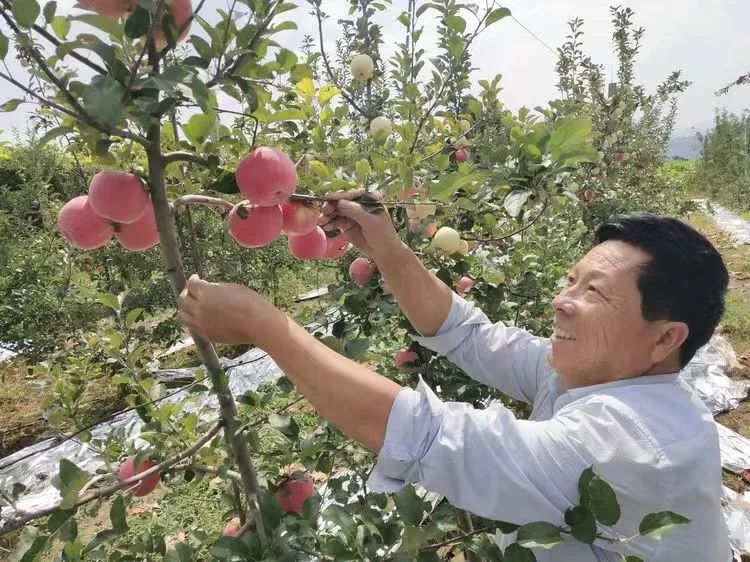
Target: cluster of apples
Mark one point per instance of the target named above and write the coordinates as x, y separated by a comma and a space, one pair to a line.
181, 11
117, 205
267, 178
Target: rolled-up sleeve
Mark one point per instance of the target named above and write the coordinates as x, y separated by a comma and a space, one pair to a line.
492, 464
507, 358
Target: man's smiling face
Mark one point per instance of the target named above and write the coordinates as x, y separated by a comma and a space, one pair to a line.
600, 334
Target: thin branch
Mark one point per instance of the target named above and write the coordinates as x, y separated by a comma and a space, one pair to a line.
224, 38
226, 71
439, 94
198, 200
331, 75
73, 53
463, 536
185, 156
109, 490
144, 50
494, 240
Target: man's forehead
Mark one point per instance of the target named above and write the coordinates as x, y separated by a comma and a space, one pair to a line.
611, 258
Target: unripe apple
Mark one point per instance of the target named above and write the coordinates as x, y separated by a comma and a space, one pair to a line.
293, 493
406, 357
447, 240
362, 67
464, 125
81, 226
181, 11
118, 196
463, 248
464, 284
310, 246
336, 246
147, 484
361, 271
299, 218
252, 226
141, 234
620, 157
109, 8
420, 211
460, 143
232, 528
462, 155
665, 98
380, 128
266, 176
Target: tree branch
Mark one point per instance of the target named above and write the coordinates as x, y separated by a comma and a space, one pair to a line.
197, 200
109, 490
494, 240
439, 95
185, 156
73, 53
331, 76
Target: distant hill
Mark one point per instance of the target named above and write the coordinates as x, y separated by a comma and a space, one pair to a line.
684, 147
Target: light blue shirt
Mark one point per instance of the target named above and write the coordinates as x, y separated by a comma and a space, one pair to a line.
650, 438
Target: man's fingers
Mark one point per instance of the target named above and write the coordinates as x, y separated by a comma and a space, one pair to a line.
196, 285
342, 195
354, 211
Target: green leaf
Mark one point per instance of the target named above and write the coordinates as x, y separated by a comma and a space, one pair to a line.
198, 128
58, 519
69, 480
4, 41
516, 553
583, 485
54, 133
355, 349
50, 8
456, 23
603, 501
118, 516
138, 23
102, 537
413, 538
132, 317
411, 508
630, 558
299, 72
10, 105
514, 202
582, 524
103, 23
656, 525
26, 12
497, 15
284, 424
289, 114
539, 535
103, 99
327, 92
61, 27
110, 300
572, 135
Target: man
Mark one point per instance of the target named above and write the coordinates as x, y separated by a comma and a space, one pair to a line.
604, 387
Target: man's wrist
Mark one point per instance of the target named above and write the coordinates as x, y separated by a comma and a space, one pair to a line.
390, 253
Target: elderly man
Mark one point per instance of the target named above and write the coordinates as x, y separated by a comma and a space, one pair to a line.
604, 388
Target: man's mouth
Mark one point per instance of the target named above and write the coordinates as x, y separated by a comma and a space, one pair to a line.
560, 334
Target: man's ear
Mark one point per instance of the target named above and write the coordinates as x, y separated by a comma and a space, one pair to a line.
671, 336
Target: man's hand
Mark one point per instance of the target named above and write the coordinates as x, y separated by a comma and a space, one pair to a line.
226, 312
372, 233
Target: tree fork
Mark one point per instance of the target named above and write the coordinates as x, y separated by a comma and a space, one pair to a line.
173, 263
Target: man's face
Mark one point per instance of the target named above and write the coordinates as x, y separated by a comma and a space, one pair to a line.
600, 334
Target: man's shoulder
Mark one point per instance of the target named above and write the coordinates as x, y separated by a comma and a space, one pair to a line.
659, 416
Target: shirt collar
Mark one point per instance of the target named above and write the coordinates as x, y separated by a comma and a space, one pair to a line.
580, 392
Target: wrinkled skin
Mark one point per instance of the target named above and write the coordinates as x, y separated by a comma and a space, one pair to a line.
601, 308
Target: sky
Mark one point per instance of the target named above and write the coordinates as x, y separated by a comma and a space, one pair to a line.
707, 40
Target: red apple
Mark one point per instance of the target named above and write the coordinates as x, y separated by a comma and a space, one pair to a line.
147, 484
252, 226
81, 226
464, 284
293, 493
336, 246
299, 218
310, 246
462, 155
406, 357
361, 271
266, 176
141, 234
118, 196
232, 528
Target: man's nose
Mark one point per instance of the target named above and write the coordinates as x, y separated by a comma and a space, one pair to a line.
563, 303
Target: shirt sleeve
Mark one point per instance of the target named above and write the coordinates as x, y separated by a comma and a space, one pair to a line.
496, 466
507, 358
